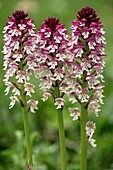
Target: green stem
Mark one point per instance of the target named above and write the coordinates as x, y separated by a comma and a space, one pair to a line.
83, 140
61, 133
26, 129
62, 139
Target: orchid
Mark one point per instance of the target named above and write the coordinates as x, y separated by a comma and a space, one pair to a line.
86, 60
19, 62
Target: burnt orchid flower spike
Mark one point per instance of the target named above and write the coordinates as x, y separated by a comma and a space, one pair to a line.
52, 41
19, 61
86, 46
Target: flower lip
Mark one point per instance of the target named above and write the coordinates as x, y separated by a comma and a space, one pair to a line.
20, 15
88, 14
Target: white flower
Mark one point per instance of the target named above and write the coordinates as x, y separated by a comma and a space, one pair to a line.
52, 64
92, 81
90, 128
10, 72
22, 26
92, 142
52, 48
46, 94
78, 71
59, 74
14, 99
17, 57
9, 85
85, 34
59, 102
94, 106
83, 96
98, 95
32, 105
72, 96
29, 88
64, 86
16, 91
75, 113
57, 39
79, 51
46, 82
15, 45
91, 45
61, 57
13, 32
22, 75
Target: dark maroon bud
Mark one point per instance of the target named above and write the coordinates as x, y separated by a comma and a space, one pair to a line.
20, 15
89, 14
52, 22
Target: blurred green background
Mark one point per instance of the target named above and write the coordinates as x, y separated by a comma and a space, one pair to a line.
43, 123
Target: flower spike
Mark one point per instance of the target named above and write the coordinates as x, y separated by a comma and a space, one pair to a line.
19, 54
